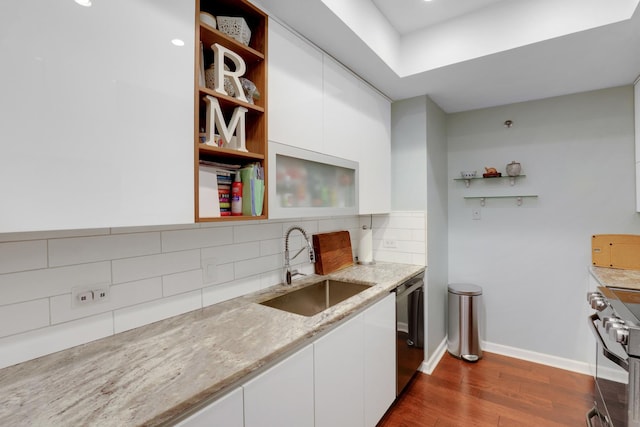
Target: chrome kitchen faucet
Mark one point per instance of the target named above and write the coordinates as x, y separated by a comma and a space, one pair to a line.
287, 266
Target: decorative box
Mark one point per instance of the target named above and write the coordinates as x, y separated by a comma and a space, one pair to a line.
235, 27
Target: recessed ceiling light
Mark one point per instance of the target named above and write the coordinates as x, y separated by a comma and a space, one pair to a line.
85, 3
177, 42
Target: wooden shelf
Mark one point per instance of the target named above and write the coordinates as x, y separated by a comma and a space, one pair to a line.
233, 218
255, 119
209, 36
229, 101
228, 153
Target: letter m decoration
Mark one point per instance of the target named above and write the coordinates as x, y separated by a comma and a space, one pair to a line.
236, 124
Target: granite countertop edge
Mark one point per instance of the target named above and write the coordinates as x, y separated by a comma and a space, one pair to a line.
616, 278
109, 381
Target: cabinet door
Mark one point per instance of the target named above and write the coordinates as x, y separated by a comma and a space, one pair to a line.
226, 411
375, 151
283, 395
637, 121
341, 120
295, 90
96, 114
339, 376
379, 359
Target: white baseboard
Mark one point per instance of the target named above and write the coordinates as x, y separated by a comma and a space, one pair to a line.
429, 365
544, 359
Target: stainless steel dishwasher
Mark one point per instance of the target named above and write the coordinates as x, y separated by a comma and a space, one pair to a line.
409, 329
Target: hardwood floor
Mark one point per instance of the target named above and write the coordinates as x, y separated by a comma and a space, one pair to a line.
495, 391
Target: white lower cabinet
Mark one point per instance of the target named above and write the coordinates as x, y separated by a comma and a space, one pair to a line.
355, 371
226, 411
345, 378
379, 359
339, 376
283, 395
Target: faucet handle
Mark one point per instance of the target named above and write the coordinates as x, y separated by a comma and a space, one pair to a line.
312, 255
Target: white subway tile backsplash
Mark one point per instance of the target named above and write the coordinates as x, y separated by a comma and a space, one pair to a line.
124, 295
57, 234
136, 292
148, 228
36, 343
215, 294
399, 257
143, 314
257, 266
81, 250
20, 256
254, 233
337, 224
126, 270
196, 238
155, 272
231, 253
224, 273
271, 247
17, 318
311, 227
180, 283
35, 284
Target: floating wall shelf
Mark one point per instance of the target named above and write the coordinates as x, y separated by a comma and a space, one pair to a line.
467, 181
518, 198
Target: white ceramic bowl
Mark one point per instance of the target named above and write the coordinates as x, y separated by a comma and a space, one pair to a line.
208, 19
468, 174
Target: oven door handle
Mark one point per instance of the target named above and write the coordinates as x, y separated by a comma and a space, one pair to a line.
605, 350
593, 412
412, 288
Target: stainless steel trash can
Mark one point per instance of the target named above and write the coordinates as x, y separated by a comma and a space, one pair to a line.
463, 335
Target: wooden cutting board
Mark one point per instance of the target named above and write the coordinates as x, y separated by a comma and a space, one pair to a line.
616, 251
333, 251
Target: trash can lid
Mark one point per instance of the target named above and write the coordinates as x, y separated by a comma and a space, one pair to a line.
465, 289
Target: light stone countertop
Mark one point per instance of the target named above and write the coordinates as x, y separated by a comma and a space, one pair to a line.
616, 278
153, 374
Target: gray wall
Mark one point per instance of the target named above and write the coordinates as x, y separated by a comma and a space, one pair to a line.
437, 225
419, 183
577, 153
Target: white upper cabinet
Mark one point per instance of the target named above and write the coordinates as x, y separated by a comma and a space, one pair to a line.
375, 149
636, 93
318, 105
342, 122
295, 90
96, 114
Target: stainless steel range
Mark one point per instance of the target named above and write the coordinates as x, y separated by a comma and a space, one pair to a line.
616, 326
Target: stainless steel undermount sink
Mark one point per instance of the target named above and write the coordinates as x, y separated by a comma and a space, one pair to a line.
316, 297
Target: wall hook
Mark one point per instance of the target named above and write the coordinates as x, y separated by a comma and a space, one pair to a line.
508, 123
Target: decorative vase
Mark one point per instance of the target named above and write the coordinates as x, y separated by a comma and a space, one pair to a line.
513, 168
210, 80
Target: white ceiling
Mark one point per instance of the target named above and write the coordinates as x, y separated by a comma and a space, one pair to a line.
469, 54
407, 16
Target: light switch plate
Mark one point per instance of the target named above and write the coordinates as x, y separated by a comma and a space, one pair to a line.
209, 270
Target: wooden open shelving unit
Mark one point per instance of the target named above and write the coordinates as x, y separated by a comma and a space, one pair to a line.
255, 58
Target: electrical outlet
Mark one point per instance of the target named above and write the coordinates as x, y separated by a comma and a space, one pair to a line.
475, 213
83, 296
389, 244
101, 294
209, 270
